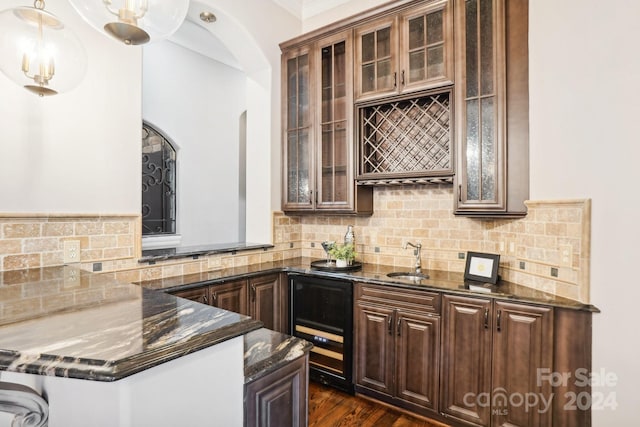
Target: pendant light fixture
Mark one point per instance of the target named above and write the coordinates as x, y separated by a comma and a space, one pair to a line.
38, 52
134, 22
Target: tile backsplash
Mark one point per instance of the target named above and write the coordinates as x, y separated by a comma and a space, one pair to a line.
549, 249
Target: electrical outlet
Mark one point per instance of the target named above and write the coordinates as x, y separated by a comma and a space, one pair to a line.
71, 251
501, 246
566, 254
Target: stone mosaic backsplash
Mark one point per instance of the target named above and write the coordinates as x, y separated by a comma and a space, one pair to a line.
548, 250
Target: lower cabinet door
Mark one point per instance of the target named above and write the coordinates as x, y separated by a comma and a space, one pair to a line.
522, 349
231, 296
279, 399
265, 301
374, 346
466, 365
417, 359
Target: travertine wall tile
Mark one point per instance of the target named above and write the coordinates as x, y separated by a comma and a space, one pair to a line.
416, 213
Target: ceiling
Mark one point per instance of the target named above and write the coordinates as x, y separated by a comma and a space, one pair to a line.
305, 9
200, 37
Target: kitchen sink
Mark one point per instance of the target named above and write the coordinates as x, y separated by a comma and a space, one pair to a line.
408, 275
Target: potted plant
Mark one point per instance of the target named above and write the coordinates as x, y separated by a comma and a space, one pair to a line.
344, 254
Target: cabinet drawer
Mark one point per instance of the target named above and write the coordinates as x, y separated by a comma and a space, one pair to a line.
408, 299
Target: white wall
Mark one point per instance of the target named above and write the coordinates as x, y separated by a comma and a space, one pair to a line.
77, 151
198, 103
585, 88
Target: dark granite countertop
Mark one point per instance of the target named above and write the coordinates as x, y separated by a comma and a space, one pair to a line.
153, 255
266, 350
105, 330
373, 274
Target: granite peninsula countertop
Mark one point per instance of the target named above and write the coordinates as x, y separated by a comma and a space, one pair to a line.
266, 350
443, 281
62, 321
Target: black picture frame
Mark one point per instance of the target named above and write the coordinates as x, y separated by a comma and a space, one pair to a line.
481, 267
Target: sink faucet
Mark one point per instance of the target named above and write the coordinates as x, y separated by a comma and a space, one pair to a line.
416, 251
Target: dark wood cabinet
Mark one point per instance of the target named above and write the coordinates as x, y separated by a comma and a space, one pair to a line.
279, 399
200, 294
397, 347
494, 352
263, 298
406, 51
231, 296
318, 151
266, 300
491, 108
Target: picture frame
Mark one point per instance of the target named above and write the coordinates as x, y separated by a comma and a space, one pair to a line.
481, 267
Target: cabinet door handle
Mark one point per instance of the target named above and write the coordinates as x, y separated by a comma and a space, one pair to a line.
486, 318
398, 326
214, 296
395, 80
402, 78
205, 299
460, 193
499, 321
390, 323
253, 292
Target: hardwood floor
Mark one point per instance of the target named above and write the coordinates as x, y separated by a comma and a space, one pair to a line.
329, 407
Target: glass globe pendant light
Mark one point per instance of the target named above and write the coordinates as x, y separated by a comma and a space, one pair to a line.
134, 22
39, 53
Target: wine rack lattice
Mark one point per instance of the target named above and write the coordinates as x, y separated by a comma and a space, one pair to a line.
407, 138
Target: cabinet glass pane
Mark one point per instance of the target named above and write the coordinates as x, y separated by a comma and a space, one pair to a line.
471, 48
292, 93
339, 69
416, 33
488, 160
435, 32
383, 43
340, 162
416, 66
486, 47
368, 47
327, 163
298, 167
303, 91
473, 151
435, 61
368, 77
384, 80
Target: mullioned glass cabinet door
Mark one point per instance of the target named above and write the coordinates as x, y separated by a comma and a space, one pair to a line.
335, 152
298, 151
480, 104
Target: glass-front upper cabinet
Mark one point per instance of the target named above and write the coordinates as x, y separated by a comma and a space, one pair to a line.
335, 151
407, 52
298, 155
491, 107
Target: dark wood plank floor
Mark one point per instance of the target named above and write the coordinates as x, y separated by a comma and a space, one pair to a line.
329, 407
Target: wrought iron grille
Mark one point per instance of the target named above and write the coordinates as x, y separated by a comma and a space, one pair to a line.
158, 183
407, 138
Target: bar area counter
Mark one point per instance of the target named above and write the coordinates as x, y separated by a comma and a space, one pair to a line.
105, 353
